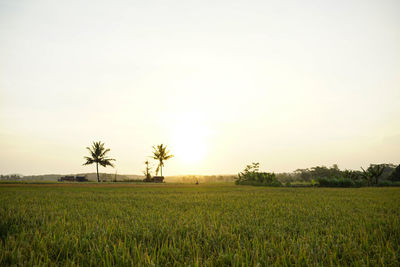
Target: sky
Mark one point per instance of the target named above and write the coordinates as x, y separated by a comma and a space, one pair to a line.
289, 84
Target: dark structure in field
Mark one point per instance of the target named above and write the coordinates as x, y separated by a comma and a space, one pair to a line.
154, 179
71, 178
81, 179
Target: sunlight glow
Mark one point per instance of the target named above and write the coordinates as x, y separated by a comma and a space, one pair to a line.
189, 140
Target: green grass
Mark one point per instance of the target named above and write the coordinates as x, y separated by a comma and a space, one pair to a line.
211, 225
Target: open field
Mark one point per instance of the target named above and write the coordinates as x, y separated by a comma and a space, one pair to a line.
213, 225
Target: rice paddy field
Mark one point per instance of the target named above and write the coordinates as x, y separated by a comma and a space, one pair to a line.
204, 225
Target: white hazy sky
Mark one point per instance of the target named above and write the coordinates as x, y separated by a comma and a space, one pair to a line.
291, 84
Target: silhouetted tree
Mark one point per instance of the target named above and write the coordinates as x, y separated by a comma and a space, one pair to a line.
98, 156
304, 174
146, 172
388, 168
161, 153
251, 175
395, 175
373, 173
352, 175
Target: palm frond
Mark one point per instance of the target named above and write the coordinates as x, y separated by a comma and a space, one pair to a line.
88, 161
106, 162
103, 153
168, 157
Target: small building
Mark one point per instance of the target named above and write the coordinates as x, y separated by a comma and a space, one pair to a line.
67, 178
71, 178
81, 178
154, 179
158, 179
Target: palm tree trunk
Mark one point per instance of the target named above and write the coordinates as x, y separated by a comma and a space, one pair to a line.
161, 170
97, 170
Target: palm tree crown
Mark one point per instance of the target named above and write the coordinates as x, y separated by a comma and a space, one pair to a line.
98, 156
161, 153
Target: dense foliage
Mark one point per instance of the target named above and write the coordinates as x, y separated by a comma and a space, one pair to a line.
340, 182
395, 175
252, 176
169, 225
374, 175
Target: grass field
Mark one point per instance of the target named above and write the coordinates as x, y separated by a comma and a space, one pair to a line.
211, 225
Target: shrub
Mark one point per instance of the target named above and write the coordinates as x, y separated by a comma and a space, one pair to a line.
388, 183
343, 182
395, 175
360, 183
313, 183
325, 182
251, 176
275, 183
337, 182
385, 183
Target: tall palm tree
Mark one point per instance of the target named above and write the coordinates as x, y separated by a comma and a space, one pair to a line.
161, 153
98, 156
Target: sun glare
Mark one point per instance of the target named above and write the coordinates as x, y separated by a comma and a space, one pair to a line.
189, 141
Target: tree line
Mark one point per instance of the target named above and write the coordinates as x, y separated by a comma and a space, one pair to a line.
374, 175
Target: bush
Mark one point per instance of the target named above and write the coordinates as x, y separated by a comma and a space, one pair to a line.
388, 183
337, 182
343, 182
325, 182
256, 183
274, 183
360, 183
251, 176
395, 175
385, 183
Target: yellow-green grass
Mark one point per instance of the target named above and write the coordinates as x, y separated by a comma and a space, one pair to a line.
206, 225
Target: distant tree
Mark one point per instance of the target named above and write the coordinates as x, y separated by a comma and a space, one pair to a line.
352, 175
335, 171
373, 173
395, 175
318, 172
161, 154
251, 176
388, 168
324, 172
249, 173
147, 171
98, 156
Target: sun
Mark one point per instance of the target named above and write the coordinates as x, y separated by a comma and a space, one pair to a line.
189, 141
